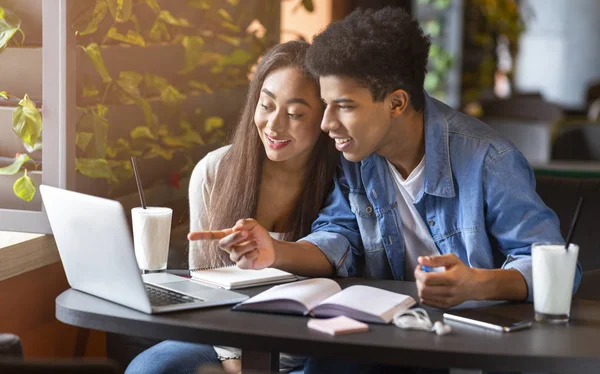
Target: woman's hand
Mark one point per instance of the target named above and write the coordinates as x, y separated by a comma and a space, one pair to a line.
232, 366
248, 243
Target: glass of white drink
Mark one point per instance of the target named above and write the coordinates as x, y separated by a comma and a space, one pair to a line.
151, 235
553, 275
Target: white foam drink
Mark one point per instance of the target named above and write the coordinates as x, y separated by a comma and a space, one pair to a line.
151, 234
553, 275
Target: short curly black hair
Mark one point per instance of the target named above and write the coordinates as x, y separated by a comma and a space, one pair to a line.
383, 49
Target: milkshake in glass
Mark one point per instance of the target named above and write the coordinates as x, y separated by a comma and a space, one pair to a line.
151, 234
553, 275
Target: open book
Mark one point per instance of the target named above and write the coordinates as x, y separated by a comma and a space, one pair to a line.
322, 297
232, 277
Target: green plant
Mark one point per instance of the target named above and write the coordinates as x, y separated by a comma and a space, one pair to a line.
440, 60
27, 120
485, 22
219, 53
220, 46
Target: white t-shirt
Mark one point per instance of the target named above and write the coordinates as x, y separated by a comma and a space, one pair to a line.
417, 238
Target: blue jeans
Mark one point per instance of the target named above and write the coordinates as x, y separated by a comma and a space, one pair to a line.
173, 357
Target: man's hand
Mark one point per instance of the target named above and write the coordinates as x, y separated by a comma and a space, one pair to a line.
248, 243
448, 288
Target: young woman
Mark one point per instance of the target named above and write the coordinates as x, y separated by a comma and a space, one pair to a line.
278, 169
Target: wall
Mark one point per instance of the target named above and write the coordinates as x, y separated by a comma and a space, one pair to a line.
560, 50
28, 311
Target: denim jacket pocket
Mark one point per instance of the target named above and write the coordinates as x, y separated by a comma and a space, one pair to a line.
367, 222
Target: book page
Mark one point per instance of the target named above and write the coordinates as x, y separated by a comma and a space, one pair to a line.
308, 292
366, 300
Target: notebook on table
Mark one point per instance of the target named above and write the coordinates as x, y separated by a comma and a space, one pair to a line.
322, 297
232, 277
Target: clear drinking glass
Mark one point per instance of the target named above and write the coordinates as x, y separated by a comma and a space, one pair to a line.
553, 269
151, 235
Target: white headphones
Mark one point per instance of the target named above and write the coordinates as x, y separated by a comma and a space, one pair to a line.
418, 319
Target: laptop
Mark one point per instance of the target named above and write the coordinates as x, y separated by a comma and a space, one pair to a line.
96, 249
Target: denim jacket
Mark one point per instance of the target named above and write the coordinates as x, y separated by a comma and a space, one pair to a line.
478, 201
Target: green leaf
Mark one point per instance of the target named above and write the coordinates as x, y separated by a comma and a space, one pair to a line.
24, 188
441, 4
171, 96
82, 140
200, 86
190, 134
193, 46
89, 88
213, 123
136, 23
431, 81
15, 166
233, 2
238, 57
132, 37
163, 130
1, 12
129, 82
155, 82
93, 52
159, 32
27, 124
100, 11
142, 132
230, 39
100, 126
101, 110
167, 17
158, 151
153, 4
230, 26
177, 142
3, 94
199, 4
122, 170
223, 13
149, 116
9, 25
93, 167
120, 9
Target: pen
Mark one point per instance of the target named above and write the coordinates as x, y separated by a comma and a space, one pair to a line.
426, 269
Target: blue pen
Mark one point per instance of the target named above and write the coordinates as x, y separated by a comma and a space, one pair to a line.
426, 269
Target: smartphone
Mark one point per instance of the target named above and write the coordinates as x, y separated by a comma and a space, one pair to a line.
488, 320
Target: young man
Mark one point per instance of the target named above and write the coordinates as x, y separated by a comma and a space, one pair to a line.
420, 184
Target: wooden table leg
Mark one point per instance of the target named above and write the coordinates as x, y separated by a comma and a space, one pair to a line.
259, 362
81, 340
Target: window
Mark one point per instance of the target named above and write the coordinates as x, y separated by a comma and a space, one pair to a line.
162, 80
57, 110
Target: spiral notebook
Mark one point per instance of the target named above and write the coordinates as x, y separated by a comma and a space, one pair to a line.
232, 277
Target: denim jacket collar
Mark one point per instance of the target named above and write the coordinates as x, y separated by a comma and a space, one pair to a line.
438, 172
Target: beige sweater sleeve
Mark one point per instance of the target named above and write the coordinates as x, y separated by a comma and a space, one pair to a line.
202, 185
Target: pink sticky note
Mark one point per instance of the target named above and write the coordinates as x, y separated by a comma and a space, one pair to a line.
337, 325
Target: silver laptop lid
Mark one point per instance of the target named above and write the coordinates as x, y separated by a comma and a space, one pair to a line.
95, 246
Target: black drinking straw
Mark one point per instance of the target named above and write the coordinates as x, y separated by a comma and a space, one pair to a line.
574, 222
138, 181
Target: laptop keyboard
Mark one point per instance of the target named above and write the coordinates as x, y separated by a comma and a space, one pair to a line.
161, 297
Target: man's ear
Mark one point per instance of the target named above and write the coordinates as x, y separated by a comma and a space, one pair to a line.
399, 101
